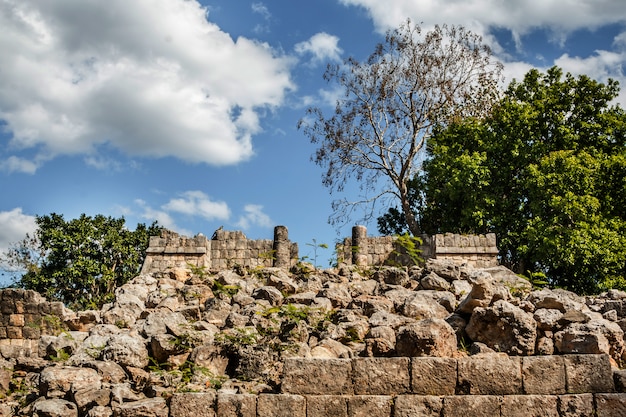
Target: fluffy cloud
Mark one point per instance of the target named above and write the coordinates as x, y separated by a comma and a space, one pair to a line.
14, 225
254, 216
322, 46
520, 16
197, 203
149, 77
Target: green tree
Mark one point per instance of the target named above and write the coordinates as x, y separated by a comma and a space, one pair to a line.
411, 83
80, 261
546, 171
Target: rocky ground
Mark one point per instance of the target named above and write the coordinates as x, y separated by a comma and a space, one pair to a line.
200, 330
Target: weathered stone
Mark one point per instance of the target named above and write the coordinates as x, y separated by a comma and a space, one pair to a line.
384, 318
329, 349
370, 406
430, 337
504, 328
193, 404
433, 376
516, 285
57, 381
370, 304
149, 407
211, 357
236, 405
326, 405
489, 374
543, 375
578, 405
529, 406
99, 411
471, 406
91, 397
547, 318
281, 405
446, 269
619, 379
54, 408
610, 405
337, 294
421, 306
126, 350
317, 376
558, 299
588, 374
596, 336
381, 376
392, 276
433, 281
418, 406
484, 291
268, 293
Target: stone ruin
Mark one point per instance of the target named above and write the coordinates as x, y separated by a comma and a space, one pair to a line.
227, 249
446, 338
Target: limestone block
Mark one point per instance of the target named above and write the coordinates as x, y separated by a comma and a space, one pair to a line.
55, 408
281, 405
317, 376
326, 405
193, 404
381, 376
576, 405
471, 406
588, 374
418, 406
610, 405
433, 376
370, 406
236, 405
153, 407
529, 406
489, 374
543, 375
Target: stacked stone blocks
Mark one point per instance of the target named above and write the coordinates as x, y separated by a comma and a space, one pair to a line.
26, 316
478, 251
482, 385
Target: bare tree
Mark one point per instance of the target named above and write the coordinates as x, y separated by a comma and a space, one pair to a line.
412, 83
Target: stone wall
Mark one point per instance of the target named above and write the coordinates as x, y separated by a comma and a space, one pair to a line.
481, 386
476, 250
229, 248
26, 316
224, 250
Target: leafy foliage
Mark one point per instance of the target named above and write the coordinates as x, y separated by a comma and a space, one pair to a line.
81, 261
546, 171
411, 83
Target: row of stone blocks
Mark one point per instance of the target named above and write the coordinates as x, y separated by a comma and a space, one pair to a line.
490, 374
294, 405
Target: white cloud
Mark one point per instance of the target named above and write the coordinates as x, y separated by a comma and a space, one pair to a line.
322, 46
521, 16
161, 216
16, 164
254, 216
151, 78
197, 203
14, 225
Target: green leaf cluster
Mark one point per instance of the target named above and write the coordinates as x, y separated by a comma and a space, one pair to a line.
83, 260
546, 171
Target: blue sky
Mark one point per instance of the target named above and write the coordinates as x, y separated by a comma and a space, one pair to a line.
185, 111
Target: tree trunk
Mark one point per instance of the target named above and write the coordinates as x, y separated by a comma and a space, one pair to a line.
409, 216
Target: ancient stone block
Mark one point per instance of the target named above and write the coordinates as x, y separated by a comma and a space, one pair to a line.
381, 376
543, 375
433, 376
610, 405
370, 406
326, 405
418, 406
576, 405
236, 405
14, 332
588, 374
317, 376
193, 404
529, 406
281, 405
491, 374
153, 407
471, 406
